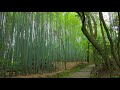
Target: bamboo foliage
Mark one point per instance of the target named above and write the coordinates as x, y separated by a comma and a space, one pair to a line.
33, 42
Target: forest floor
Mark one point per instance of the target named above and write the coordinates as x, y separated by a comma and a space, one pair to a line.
102, 72
83, 73
60, 70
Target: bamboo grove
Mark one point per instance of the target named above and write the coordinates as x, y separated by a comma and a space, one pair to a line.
33, 42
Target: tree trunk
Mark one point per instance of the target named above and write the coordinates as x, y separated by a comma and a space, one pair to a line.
93, 41
118, 44
88, 53
110, 39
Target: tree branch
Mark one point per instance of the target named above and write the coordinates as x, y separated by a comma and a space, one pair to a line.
109, 38
90, 38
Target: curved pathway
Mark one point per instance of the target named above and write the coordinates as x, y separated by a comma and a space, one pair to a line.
83, 73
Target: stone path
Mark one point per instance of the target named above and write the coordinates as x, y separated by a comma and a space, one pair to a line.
83, 73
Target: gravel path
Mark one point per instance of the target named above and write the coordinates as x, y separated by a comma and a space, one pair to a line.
83, 73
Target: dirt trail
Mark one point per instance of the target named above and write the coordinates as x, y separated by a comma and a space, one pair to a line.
83, 73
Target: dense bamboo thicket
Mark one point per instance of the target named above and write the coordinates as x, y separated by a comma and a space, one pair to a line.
32, 42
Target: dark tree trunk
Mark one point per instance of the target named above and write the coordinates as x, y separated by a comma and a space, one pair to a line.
88, 52
118, 44
110, 40
93, 41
